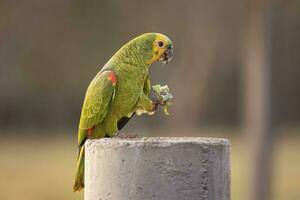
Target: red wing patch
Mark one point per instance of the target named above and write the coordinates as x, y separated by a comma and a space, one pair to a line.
112, 77
89, 131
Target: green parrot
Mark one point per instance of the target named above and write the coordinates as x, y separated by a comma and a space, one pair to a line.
119, 90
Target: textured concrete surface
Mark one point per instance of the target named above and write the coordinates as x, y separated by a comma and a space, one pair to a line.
157, 168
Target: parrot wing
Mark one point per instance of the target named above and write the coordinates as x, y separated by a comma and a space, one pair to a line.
96, 103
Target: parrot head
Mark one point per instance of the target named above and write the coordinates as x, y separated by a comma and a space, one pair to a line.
154, 47
162, 49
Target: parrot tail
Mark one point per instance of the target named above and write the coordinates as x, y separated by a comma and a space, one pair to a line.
79, 177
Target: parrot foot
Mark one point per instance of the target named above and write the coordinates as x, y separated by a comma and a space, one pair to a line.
123, 135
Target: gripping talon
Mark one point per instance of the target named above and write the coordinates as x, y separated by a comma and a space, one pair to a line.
123, 135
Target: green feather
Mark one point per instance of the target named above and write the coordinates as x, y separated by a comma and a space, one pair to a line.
105, 104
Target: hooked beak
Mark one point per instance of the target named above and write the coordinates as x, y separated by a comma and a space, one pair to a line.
167, 56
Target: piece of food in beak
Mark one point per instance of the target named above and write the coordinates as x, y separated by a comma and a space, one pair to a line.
167, 56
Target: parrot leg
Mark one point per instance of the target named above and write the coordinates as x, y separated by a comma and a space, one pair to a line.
121, 134
146, 104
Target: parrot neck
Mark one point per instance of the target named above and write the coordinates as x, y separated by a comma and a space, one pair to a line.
132, 54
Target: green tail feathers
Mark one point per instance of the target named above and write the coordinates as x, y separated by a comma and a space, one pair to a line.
79, 177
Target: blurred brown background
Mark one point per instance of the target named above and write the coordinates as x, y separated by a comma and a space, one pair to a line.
235, 74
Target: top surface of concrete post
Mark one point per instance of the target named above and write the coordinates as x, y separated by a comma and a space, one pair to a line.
157, 168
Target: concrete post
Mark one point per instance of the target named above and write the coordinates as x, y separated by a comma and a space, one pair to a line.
157, 168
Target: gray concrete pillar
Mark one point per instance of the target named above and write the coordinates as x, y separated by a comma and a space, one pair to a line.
183, 168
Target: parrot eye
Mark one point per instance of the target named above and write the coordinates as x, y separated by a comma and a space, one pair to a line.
160, 44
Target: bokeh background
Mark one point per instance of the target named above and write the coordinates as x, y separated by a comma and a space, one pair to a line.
235, 74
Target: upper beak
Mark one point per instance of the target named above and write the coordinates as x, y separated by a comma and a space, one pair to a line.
167, 56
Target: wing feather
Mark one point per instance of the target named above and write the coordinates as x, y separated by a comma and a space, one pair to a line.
96, 103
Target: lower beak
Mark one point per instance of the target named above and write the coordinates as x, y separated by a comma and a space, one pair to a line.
167, 56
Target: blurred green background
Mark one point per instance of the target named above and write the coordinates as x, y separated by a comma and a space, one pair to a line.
235, 74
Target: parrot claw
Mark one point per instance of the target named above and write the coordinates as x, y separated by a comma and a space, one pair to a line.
123, 135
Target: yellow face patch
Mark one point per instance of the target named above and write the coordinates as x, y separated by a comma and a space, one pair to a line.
159, 47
